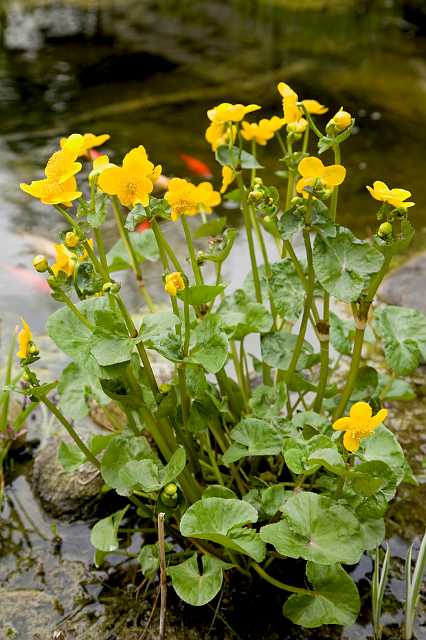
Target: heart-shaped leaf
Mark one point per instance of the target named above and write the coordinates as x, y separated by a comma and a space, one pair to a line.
195, 587
222, 521
334, 599
314, 527
404, 337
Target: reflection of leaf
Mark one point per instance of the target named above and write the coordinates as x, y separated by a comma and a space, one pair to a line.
334, 599
314, 527
222, 521
404, 337
194, 587
344, 264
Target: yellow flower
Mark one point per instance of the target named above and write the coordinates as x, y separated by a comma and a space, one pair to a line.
187, 199
83, 143
174, 283
228, 177
261, 131
182, 197
52, 192
61, 166
99, 164
395, 197
341, 120
207, 197
314, 107
359, 424
133, 181
219, 133
65, 261
227, 112
312, 170
25, 339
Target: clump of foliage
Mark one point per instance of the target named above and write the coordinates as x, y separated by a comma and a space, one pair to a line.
244, 453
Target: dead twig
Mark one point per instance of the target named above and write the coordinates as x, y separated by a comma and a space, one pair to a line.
151, 615
163, 576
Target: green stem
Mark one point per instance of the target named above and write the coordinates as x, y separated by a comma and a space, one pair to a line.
72, 307
101, 250
7, 380
195, 266
278, 583
290, 181
161, 239
359, 338
74, 435
140, 346
212, 458
247, 223
131, 252
226, 390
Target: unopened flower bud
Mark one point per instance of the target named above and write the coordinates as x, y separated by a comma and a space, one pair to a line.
169, 495
33, 350
341, 120
173, 283
385, 230
255, 196
111, 287
71, 239
40, 264
258, 182
51, 281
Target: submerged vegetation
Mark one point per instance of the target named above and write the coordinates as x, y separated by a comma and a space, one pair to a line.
252, 458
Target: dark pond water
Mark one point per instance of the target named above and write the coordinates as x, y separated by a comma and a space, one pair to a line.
147, 71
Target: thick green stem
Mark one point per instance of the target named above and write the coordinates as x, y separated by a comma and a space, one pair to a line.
161, 240
72, 432
278, 583
101, 250
247, 223
195, 266
5, 396
74, 309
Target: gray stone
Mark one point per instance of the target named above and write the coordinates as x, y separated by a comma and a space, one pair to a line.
405, 286
72, 495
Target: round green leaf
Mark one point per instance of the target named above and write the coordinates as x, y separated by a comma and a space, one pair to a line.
344, 264
314, 527
222, 521
194, 587
334, 599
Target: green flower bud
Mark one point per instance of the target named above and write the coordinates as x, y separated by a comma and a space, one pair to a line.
255, 195
33, 350
258, 181
71, 239
40, 264
51, 281
170, 489
111, 287
385, 230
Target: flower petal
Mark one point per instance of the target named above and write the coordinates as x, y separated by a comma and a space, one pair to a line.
110, 180
342, 424
334, 175
311, 168
361, 411
377, 419
351, 441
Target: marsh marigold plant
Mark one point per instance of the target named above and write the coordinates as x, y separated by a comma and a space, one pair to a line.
240, 448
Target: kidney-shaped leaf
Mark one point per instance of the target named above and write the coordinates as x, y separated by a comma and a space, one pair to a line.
194, 587
239, 316
317, 529
253, 437
343, 264
211, 346
404, 337
222, 521
151, 476
334, 600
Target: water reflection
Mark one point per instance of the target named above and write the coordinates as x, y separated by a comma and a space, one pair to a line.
147, 71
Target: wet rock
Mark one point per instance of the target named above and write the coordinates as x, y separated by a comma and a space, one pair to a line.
404, 285
74, 495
